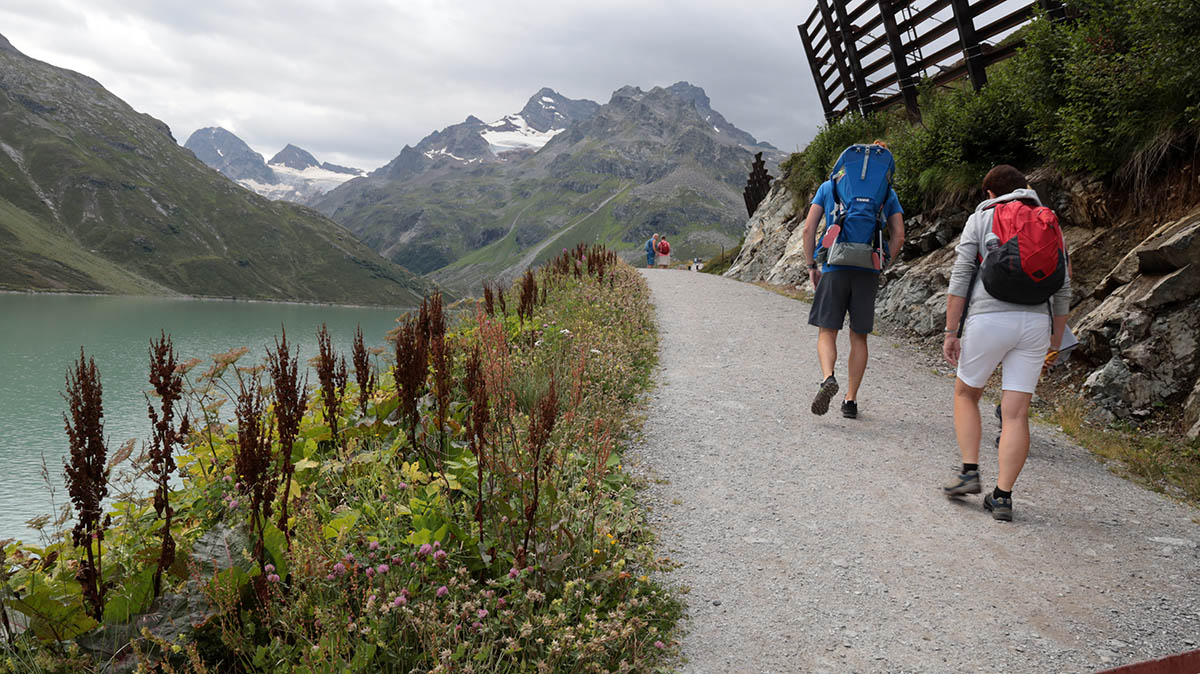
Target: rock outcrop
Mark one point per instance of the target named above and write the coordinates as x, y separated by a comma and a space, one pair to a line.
1137, 315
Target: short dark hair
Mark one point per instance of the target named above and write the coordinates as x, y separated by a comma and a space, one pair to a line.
1004, 179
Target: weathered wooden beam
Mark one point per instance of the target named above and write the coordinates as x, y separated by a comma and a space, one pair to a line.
972, 54
835, 47
856, 72
908, 88
818, 81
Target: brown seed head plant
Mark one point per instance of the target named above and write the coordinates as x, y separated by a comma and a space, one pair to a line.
364, 374
252, 461
500, 299
541, 424
291, 398
528, 297
442, 360
489, 300
166, 377
86, 477
331, 372
477, 424
409, 372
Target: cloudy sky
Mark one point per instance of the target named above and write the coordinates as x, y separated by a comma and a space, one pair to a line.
353, 81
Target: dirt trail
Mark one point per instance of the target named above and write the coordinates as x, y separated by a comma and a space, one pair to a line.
822, 544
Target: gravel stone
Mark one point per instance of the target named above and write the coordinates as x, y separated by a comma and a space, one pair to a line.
833, 533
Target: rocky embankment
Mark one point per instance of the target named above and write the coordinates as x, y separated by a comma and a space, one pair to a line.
1136, 286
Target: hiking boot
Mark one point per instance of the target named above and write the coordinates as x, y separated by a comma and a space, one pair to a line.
828, 389
849, 409
1001, 508
964, 483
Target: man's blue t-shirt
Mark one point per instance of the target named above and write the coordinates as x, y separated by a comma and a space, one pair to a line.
825, 199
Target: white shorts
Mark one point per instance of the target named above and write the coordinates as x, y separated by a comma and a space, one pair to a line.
1018, 339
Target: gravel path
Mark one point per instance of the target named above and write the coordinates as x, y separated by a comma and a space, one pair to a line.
822, 544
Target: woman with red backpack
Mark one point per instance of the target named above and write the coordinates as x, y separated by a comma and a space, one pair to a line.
664, 252
1010, 290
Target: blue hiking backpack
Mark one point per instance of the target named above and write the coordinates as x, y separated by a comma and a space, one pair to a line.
862, 181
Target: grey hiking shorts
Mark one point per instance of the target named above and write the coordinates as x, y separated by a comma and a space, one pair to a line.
841, 291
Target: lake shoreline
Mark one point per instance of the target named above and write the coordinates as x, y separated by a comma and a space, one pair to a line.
207, 298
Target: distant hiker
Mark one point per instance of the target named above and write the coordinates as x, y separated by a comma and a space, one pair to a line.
1010, 289
664, 252
858, 203
651, 250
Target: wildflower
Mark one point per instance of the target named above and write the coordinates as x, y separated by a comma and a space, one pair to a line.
272, 578
501, 603
659, 645
227, 478
349, 558
370, 572
399, 601
329, 577
383, 497
437, 544
402, 485
339, 568
269, 568
382, 568
424, 551
477, 625
233, 503
482, 613
373, 545
396, 559
439, 556
443, 591
513, 573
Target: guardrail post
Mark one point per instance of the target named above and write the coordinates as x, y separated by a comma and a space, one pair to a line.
972, 54
816, 74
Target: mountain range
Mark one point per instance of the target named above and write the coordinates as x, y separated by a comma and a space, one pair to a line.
97, 197
478, 200
293, 174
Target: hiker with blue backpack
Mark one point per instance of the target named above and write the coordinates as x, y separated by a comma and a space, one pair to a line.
1010, 290
858, 205
651, 250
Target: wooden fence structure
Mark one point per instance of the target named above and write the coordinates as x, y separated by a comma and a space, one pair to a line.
868, 55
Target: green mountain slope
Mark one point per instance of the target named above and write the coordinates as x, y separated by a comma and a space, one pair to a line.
95, 196
657, 161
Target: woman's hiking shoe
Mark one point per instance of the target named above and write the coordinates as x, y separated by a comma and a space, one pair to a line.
1001, 508
849, 409
966, 483
829, 388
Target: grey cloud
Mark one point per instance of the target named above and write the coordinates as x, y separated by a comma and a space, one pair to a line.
354, 81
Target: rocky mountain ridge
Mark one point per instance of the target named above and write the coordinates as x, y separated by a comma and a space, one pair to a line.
647, 161
1135, 286
97, 197
293, 174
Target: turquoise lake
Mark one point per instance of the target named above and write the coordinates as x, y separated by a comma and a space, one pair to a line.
40, 338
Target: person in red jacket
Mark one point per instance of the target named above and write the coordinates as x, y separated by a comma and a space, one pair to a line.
664, 252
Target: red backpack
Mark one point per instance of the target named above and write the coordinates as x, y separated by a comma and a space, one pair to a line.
664, 248
1024, 258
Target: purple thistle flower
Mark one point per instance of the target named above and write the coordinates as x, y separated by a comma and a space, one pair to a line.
439, 556
424, 551
374, 545
382, 568
400, 600
443, 591
370, 572
339, 568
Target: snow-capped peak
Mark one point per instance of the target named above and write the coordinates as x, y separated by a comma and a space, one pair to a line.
512, 132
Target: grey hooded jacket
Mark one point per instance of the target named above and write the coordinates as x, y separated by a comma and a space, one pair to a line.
967, 261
